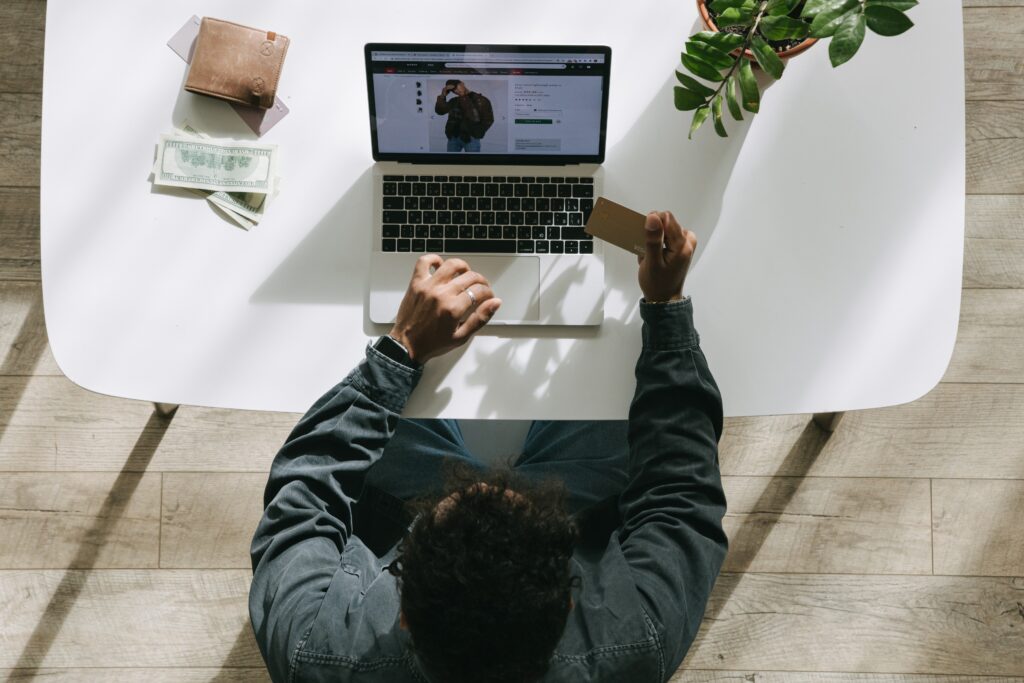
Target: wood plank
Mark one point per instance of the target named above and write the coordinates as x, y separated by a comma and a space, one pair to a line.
994, 264
19, 233
126, 618
759, 676
957, 430
993, 3
995, 146
995, 217
988, 343
23, 343
43, 416
208, 519
165, 675
885, 624
994, 249
79, 520
785, 524
978, 527
993, 49
20, 124
143, 618
22, 23
818, 525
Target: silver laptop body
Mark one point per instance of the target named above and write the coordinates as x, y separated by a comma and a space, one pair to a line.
537, 286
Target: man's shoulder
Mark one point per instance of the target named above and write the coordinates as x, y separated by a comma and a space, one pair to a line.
607, 621
358, 619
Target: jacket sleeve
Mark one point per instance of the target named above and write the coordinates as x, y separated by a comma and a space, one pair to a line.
673, 504
442, 106
486, 111
314, 481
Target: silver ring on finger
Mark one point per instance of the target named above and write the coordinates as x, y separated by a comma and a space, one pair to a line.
472, 296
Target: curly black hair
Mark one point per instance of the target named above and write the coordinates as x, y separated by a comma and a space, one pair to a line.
485, 579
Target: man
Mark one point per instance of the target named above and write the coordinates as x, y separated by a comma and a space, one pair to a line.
469, 116
496, 578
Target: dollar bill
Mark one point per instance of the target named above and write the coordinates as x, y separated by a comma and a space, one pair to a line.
248, 205
244, 208
241, 220
215, 165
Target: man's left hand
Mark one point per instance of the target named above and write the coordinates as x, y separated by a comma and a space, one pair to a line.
437, 314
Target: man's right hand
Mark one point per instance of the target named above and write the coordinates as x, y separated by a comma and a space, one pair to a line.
437, 314
669, 250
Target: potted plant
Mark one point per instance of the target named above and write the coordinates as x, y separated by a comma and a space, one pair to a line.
765, 32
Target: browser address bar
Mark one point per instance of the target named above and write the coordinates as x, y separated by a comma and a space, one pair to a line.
501, 65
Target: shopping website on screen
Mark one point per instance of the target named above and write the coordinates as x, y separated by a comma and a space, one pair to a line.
488, 102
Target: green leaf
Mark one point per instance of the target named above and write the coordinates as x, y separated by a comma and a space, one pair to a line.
687, 99
767, 58
826, 22
886, 21
704, 52
724, 42
716, 112
700, 68
699, 117
813, 8
748, 87
719, 6
735, 16
847, 39
730, 99
694, 85
783, 28
780, 8
900, 5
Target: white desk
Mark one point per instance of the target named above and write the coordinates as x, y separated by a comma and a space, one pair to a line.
831, 224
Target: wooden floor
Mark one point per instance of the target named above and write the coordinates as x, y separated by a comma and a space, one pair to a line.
892, 551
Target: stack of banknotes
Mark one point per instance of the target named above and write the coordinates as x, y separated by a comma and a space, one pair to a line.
238, 178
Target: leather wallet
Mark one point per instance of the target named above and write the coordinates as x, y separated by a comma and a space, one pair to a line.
236, 63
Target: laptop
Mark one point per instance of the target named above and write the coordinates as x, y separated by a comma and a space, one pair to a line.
490, 153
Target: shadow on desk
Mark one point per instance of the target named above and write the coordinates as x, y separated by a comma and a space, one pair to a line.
655, 167
541, 374
547, 373
331, 264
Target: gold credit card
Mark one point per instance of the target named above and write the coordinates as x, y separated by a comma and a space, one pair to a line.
616, 224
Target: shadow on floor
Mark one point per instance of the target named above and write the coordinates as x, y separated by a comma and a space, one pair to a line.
113, 508
24, 354
756, 528
238, 665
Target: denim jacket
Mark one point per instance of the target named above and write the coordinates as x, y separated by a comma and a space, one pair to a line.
324, 608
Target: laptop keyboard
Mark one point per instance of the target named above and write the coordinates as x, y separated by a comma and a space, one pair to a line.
487, 214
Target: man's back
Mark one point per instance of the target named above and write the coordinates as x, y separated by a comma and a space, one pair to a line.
355, 634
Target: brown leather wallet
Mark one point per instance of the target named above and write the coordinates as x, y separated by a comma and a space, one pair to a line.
236, 63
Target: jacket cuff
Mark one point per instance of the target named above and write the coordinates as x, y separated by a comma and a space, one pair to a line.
668, 326
384, 381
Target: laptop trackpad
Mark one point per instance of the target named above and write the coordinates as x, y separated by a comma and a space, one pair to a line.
515, 280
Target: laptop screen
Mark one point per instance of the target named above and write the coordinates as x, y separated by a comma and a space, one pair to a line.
488, 103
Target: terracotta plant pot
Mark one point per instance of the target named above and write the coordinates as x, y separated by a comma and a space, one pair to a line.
785, 54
